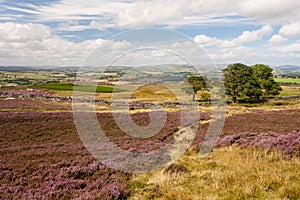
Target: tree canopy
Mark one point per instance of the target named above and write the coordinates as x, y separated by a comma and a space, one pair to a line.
196, 83
249, 83
240, 82
265, 78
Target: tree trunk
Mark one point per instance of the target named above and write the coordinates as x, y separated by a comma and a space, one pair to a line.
234, 99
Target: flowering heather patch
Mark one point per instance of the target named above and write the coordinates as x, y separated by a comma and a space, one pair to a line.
33, 105
29, 92
288, 143
42, 156
63, 180
280, 122
259, 121
26, 93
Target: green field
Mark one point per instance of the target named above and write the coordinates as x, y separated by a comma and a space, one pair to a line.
83, 88
288, 80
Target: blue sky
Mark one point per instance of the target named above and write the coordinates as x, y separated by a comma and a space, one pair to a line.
62, 32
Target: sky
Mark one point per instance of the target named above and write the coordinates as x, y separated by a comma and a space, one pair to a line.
65, 32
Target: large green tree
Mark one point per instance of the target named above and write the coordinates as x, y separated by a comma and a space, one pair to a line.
266, 81
195, 84
240, 83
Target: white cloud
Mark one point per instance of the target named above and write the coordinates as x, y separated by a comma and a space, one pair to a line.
280, 53
244, 38
252, 36
151, 12
75, 26
290, 30
290, 49
35, 44
207, 41
158, 53
277, 40
270, 11
120, 13
23, 32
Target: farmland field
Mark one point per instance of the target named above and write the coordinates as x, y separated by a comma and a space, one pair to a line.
288, 80
71, 87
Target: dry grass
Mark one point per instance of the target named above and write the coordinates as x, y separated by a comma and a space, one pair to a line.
290, 90
268, 106
154, 93
226, 173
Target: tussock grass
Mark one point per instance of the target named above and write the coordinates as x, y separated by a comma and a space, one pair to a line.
226, 173
290, 90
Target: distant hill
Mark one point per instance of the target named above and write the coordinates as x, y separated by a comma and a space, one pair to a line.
287, 69
15, 68
38, 68
283, 69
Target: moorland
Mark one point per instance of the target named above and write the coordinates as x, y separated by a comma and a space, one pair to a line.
42, 157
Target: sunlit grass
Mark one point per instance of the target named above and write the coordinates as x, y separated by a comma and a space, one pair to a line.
288, 80
290, 90
154, 93
226, 173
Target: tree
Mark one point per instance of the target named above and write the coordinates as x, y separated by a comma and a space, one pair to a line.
266, 81
240, 83
196, 83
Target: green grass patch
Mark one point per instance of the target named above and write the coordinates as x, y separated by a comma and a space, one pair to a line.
84, 88
288, 80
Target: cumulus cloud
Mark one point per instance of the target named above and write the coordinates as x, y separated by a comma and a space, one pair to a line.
23, 32
151, 12
290, 30
35, 44
281, 52
244, 38
277, 40
207, 41
252, 36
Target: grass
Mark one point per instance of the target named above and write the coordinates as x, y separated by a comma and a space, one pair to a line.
154, 93
290, 90
288, 80
226, 173
70, 87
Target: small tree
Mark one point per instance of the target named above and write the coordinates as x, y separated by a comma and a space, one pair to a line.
196, 83
266, 81
240, 82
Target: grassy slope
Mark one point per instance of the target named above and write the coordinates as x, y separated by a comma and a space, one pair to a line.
227, 173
